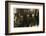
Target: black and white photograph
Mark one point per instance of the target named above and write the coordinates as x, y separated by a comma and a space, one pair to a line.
24, 17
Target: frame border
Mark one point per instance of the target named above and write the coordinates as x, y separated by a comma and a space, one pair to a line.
6, 17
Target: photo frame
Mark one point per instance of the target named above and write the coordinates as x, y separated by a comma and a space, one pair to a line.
24, 17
